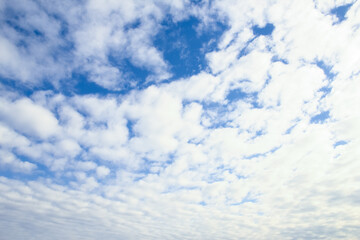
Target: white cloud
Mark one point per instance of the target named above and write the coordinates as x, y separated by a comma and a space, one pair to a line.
29, 118
31, 59
197, 87
10, 138
91, 34
245, 74
102, 171
106, 76
9, 160
231, 45
180, 159
10, 60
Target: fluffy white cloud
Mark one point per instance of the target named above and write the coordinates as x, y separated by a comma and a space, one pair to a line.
9, 160
182, 160
102, 171
29, 118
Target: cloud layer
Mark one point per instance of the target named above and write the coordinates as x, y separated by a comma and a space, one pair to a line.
99, 138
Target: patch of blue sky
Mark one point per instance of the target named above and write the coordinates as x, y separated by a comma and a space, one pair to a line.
197, 2
64, 26
231, 171
326, 69
258, 134
214, 178
340, 143
196, 141
133, 76
132, 25
266, 30
288, 131
263, 154
215, 107
38, 33
278, 59
6, 171
256, 104
255, 155
41, 171
149, 166
340, 11
202, 203
217, 175
16, 86
218, 123
184, 47
247, 199
139, 177
238, 93
244, 51
130, 126
274, 149
325, 90
320, 118
83, 86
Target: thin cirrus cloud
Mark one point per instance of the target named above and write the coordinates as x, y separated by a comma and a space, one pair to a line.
182, 120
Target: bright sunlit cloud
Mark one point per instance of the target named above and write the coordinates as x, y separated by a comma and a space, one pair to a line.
179, 119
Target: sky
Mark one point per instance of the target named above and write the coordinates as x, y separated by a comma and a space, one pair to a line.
214, 119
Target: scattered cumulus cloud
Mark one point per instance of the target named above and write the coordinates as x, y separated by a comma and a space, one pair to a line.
102, 137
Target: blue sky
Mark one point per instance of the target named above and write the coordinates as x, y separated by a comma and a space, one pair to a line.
179, 119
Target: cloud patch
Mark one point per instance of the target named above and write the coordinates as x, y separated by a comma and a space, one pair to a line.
249, 130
